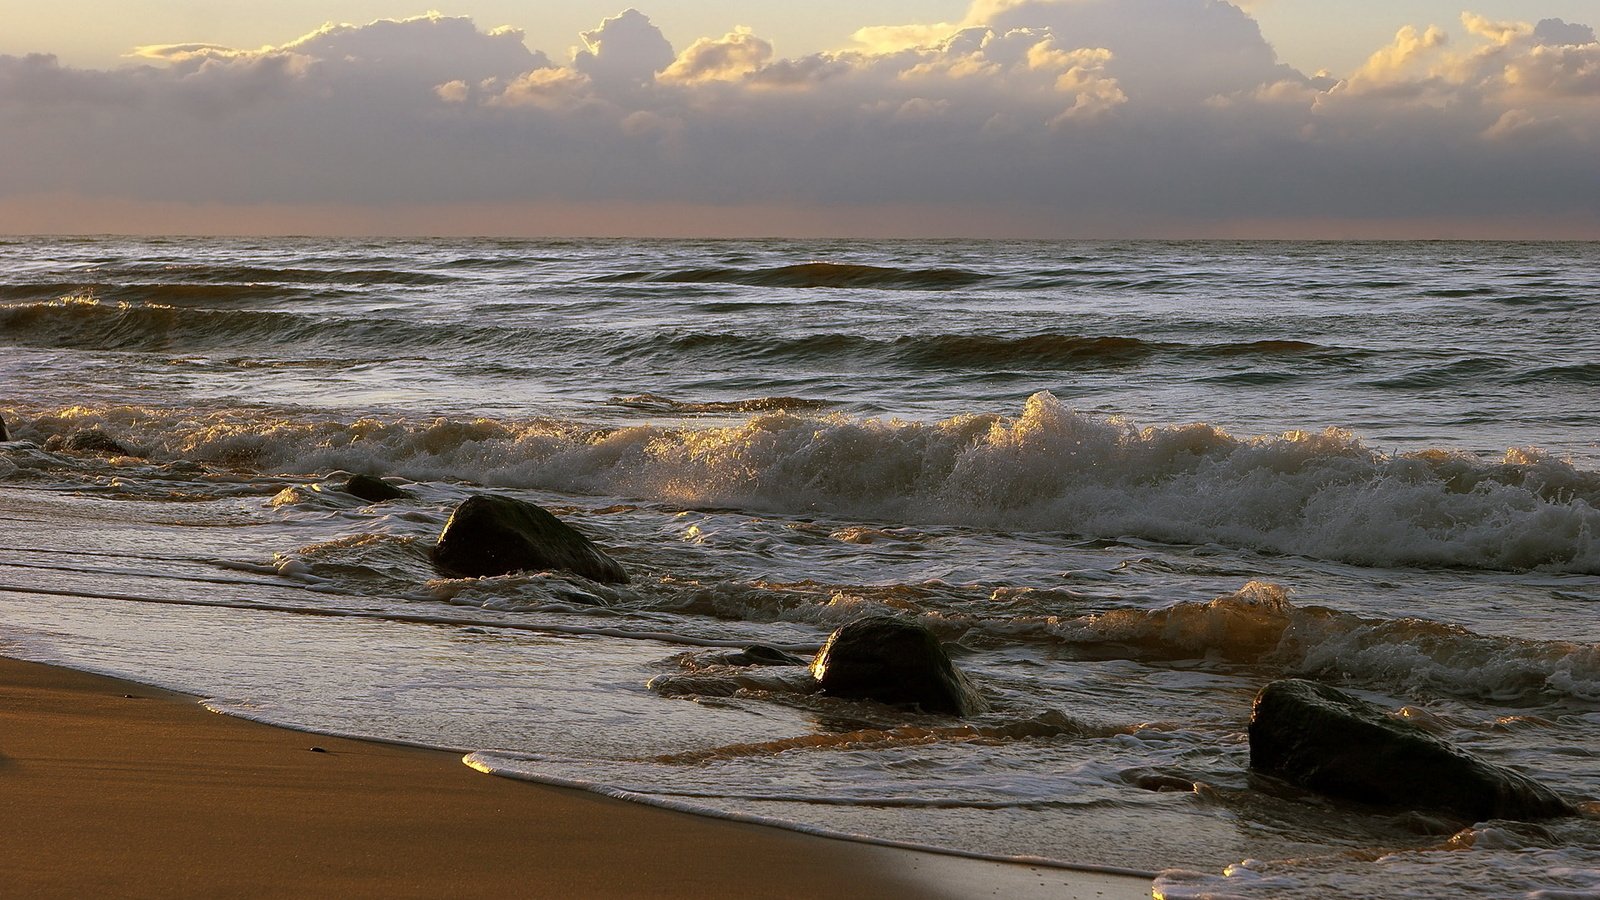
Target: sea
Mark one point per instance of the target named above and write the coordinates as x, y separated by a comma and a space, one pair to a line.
1128, 483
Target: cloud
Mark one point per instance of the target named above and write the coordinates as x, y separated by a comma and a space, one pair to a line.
734, 55
889, 38
1027, 116
627, 50
1514, 64
420, 52
1556, 33
1166, 51
1409, 49
550, 88
1521, 124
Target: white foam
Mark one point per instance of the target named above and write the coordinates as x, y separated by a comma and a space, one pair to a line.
1321, 494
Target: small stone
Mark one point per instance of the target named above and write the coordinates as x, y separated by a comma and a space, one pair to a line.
1158, 781
374, 490
1331, 742
893, 661
762, 655
492, 535
91, 440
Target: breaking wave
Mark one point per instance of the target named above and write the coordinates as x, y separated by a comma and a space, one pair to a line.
1317, 494
1258, 625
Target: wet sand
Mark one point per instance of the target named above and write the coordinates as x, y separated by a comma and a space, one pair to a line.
117, 789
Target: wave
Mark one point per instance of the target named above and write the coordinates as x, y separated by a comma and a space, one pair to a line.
87, 323
980, 351
1455, 372
91, 323
810, 275
660, 404
1462, 293
163, 294
245, 274
969, 351
1581, 373
1544, 302
1258, 625
1317, 494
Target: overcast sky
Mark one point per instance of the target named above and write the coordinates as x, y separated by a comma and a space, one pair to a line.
1073, 118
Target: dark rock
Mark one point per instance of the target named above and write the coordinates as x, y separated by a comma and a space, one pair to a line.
762, 655
374, 490
893, 661
1328, 741
91, 440
1157, 780
1430, 824
490, 535
4, 435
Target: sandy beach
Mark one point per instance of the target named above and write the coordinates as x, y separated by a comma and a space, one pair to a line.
119, 789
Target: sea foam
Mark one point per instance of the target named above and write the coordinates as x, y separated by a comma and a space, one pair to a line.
1321, 494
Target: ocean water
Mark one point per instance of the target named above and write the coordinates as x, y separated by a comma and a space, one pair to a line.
1128, 483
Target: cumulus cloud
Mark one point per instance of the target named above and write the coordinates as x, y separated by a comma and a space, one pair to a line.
423, 51
1166, 51
1513, 63
1058, 116
1409, 49
1556, 33
732, 56
627, 50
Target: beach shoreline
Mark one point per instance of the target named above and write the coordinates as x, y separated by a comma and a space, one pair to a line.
1126, 486
139, 791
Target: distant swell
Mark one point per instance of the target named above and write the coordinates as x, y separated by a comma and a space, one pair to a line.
981, 350
658, 403
1319, 494
1584, 373
183, 284
165, 293
241, 274
94, 324
975, 351
810, 275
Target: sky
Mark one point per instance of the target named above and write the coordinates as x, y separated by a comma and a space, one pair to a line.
1006, 118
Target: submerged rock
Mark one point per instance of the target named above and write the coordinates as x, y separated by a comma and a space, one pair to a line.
491, 535
891, 660
1149, 778
4, 435
90, 440
374, 490
761, 655
1324, 739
